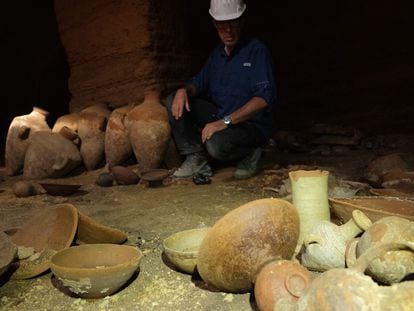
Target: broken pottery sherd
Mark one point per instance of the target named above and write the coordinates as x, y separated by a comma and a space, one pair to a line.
92, 232
95, 270
47, 231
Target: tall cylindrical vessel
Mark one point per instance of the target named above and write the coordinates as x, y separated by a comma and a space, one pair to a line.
310, 197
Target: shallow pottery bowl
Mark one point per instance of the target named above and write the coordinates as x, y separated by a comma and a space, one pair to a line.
92, 232
60, 189
375, 207
46, 232
181, 248
95, 270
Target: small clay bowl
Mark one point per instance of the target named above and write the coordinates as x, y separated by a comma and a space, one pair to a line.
181, 248
60, 189
95, 270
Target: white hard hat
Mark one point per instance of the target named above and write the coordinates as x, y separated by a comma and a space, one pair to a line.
222, 10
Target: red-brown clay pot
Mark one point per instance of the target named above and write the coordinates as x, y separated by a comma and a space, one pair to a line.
50, 155
149, 131
279, 285
244, 239
117, 145
91, 131
124, 175
18, 137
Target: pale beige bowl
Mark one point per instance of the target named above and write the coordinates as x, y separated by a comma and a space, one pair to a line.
182, 247
95, 270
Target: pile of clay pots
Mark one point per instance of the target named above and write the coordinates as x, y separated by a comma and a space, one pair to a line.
91, 137
96, 267
294, 258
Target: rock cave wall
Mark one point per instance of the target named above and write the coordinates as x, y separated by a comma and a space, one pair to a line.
118, 49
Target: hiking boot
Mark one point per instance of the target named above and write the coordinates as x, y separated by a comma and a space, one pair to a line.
247, 167
195, 163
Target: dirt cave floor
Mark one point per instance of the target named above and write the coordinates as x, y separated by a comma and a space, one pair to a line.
149, 215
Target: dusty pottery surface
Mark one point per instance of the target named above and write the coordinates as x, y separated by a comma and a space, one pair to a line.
279, 285
18, 137
149, 131
95, 270
117, 145
148, 216
239, 243
393, 266
50, 155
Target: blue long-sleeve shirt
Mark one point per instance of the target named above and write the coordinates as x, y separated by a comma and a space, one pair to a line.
231, 81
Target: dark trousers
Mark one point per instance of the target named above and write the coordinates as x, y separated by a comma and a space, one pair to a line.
232, 143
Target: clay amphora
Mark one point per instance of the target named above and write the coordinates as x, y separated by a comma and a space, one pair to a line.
117, 145
310, 197
20, 131
50, 155
91, 130
393, 266
350, 289
68, 120
244, 239
279, 285
324, 246
149, 131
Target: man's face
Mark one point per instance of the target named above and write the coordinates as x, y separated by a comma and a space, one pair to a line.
229, 31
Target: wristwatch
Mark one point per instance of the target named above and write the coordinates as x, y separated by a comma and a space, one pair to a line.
227, 120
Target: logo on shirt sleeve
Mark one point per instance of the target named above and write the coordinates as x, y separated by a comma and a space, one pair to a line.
247, 64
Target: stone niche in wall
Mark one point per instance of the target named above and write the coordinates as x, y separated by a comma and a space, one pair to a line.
119, 48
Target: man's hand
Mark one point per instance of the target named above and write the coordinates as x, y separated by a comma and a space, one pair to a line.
210, 128
179, 102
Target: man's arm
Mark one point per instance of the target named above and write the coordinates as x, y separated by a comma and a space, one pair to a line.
181, 100
245, 112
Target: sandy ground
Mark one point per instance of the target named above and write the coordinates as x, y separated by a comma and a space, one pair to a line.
148, 216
